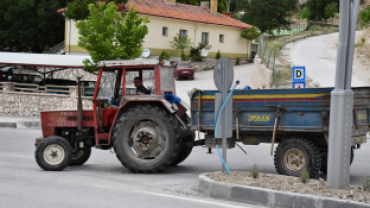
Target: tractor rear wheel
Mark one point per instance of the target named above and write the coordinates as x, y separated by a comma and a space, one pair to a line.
81, 155
187, 139
53, 153
147, 139
296, 154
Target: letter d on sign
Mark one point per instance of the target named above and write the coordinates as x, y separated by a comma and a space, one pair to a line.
299, 74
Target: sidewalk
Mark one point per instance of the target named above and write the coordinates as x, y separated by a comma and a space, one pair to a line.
19, 123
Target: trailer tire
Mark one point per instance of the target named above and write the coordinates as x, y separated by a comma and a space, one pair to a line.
146, 139
53, 153
324, 163
296, 154
81, 156
187, 140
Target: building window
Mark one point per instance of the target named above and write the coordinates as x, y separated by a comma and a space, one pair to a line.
164, 31
221, 38
205, 38
183, 33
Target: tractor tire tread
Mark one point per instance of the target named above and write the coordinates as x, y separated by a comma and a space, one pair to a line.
160, 114
312, 149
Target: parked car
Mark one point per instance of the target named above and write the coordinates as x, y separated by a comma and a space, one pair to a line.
61, 82
6, 73
183, 70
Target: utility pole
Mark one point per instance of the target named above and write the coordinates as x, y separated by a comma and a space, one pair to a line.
341, 104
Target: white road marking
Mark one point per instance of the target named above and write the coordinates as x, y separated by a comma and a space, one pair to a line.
216, 203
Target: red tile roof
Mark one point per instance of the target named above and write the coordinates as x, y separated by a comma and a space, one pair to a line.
192, 13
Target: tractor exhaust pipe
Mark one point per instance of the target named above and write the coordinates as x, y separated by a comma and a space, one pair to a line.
79, 104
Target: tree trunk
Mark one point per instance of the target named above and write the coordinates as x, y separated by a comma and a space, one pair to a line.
248, 45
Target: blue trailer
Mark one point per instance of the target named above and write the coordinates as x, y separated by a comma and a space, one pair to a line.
296, 119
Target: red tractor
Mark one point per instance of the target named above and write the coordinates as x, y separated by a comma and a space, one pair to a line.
148, 132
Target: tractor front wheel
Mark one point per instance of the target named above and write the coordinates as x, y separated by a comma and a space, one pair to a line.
147, 139
53, 153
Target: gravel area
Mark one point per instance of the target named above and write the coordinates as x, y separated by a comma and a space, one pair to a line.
292, 184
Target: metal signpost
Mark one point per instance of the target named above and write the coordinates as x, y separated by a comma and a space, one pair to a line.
299, 77
339, 150
223, 76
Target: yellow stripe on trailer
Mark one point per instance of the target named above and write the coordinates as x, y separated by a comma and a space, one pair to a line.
272, 96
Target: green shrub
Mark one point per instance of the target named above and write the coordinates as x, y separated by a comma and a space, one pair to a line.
237, 61
254, 172
195, 54
365, 16
305, 176
218, 55
164, 56
184, 57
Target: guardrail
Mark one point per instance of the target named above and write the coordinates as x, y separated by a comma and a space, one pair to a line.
56, 89
21, 87
87, 92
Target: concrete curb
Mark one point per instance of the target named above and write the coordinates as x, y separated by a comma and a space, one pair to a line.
21, 124
269, 198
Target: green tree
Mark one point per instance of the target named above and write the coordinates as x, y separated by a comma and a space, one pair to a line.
331, 10
221, 4
305, 13
105, 38
365, 16
181, 44
267, 14
249, 34
317, 8
191, 2
195, 53
164, 56
79, 9
30, 26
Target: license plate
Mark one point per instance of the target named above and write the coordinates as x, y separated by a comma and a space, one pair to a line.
185, 72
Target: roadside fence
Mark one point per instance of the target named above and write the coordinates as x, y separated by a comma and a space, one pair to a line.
269, 58
87, 92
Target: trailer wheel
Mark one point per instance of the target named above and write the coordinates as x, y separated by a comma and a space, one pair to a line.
296, 154
53, 153
324, 163
187, 138
147, 139
81, 156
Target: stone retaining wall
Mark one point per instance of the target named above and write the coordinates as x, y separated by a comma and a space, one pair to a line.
27, 105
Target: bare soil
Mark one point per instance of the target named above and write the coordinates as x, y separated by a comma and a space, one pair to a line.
292, 184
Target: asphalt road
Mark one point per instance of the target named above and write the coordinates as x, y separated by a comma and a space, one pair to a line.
104, 182
319, 55
204, 80
101, 182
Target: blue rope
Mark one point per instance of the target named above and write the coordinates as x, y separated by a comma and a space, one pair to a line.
218, 117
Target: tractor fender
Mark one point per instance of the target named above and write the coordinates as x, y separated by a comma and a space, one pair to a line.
128, 103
